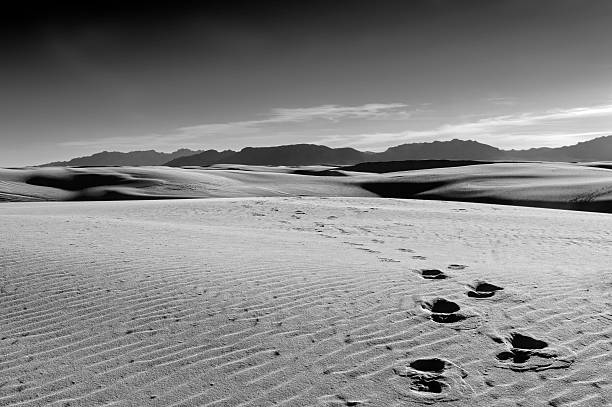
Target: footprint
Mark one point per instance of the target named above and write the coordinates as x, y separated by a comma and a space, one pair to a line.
428, 365
440, 305
443, 311
388, 260
432, 378
522, 349
525, 342
365, 249
527, 353
447, 318
456, 267
425, 374
482, 289
432, 274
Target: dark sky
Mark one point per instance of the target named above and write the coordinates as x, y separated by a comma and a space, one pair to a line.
75, 80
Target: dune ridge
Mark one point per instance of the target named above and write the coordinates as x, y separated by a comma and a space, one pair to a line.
585, 187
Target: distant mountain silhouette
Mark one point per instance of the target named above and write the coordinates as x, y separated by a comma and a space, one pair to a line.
295, 154
311, 154
115, 158
441, 150
599, 149
203, 158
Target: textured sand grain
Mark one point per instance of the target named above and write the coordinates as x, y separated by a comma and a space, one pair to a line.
302, 301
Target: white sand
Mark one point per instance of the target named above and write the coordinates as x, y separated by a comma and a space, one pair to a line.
302, 301
552, 185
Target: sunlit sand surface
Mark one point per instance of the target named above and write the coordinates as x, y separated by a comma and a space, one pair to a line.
301, 300
585, 186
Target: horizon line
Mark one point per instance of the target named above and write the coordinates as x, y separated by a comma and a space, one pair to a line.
320, 145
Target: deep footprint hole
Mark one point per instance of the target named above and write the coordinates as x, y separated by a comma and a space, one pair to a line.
442, 306
525, 342
484, 286
433, 274
481, 294
427, 385
428, 365
516, 356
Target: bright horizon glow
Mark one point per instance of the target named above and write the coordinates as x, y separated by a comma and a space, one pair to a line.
538, 126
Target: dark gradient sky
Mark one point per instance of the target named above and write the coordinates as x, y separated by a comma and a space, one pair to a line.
75, 80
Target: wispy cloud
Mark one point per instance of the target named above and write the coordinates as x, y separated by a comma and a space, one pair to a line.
533, 124
307, 124
549, 115
302, 114
198, 134
335, 112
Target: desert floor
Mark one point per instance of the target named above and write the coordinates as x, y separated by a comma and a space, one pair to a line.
303, 301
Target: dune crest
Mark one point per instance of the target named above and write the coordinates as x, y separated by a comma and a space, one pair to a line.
584, 187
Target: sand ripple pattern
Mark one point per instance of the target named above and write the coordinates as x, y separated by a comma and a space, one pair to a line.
254, 302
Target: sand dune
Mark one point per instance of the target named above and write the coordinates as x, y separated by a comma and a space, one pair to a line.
551, 185
554, 185
303, 301
112, 183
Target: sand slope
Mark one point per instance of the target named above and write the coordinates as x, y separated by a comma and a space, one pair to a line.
119, 183
552, 185
303, 301
585, 187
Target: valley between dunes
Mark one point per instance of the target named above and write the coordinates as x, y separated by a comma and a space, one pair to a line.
258, 296
581, 186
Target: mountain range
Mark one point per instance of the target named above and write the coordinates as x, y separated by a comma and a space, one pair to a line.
115, 158
599, 149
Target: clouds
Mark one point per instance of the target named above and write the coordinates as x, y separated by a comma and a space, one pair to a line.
504, 130
276, 125
303, 114
335, 112
210, 77
343, 125
522, 130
